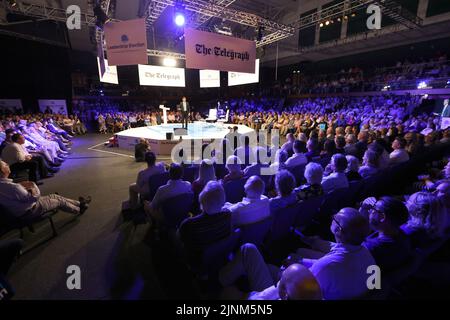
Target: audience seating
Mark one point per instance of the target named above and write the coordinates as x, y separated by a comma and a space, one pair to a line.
234, 190
256, 232
155, 182
176, 209
298, 173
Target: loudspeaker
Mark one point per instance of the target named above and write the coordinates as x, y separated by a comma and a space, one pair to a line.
180, 132
169, 135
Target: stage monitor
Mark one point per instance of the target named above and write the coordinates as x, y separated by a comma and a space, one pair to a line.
110, 75
238, 78
161, 76
209, 78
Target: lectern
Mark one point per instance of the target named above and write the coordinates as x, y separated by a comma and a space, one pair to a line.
164, 109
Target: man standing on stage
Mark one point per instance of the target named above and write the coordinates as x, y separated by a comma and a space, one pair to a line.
185, 111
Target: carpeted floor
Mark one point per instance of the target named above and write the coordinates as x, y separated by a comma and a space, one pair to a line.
116, 256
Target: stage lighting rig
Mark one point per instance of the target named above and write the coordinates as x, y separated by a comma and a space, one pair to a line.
101, 17
12, 3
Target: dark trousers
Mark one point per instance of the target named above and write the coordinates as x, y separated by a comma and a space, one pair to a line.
185, 119
42, 165
9, 249
31, 166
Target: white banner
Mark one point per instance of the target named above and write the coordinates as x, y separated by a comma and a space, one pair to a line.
237, 78
209, 78
11, 104
161, 76
110, 75
56, 106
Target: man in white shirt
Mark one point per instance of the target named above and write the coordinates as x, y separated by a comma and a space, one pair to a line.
174, 187
254, 207
141, 187
337, 179
340, 267
399, 154
24, 199
298, 158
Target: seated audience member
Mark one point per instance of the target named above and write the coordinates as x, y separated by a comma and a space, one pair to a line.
205, 174
284, 184
370, 164
24, 199
443, 193
212, 224
141, 187
399, 154
329, 148
174, 187
298, 158
288, 146
313, 188
352, 168
313, 149
254, 207
339, 268
140, 149
388, 244
350, 146
18, 158
337, 179
427, 219
233, 166
380, 148
339, 141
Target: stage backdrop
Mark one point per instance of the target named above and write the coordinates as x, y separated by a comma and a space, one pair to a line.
237, 78
57, 106
110, 75
161, 76
126, 42
209, 78
206, 50
11, 104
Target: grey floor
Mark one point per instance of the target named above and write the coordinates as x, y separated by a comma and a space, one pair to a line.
116, 257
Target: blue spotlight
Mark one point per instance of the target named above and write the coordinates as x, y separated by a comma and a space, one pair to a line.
179, 19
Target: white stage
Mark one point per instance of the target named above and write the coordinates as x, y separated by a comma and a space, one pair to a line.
156, 135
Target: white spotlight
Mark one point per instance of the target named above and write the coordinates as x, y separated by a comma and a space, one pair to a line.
169, 62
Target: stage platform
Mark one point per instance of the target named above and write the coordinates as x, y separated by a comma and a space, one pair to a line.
156, 135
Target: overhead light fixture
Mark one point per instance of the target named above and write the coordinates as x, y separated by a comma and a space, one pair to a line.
339, 19
327, 22
353, 14
169, 62
422, 85
101, 16
321, 24
179, 16
12, 3
179, 19
345, 17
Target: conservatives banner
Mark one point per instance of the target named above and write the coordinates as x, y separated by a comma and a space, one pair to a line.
209, 78
126, 42
110, 75
56, 106
237, 78
161, 76
206, 50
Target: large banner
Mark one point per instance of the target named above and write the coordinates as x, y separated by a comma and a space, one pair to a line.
206, 50
10, 104
161, 76
237, 78
126, 42
56, 106
110, 75
209, 78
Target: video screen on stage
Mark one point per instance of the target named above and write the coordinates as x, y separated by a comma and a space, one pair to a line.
110, 75
209, 78
161, 76
238, 78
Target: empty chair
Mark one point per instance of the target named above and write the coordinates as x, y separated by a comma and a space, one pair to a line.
255, 232
176, 209
283, 221
214, 256
155, 182
307, 211
234, 190
298, 173
190, 173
